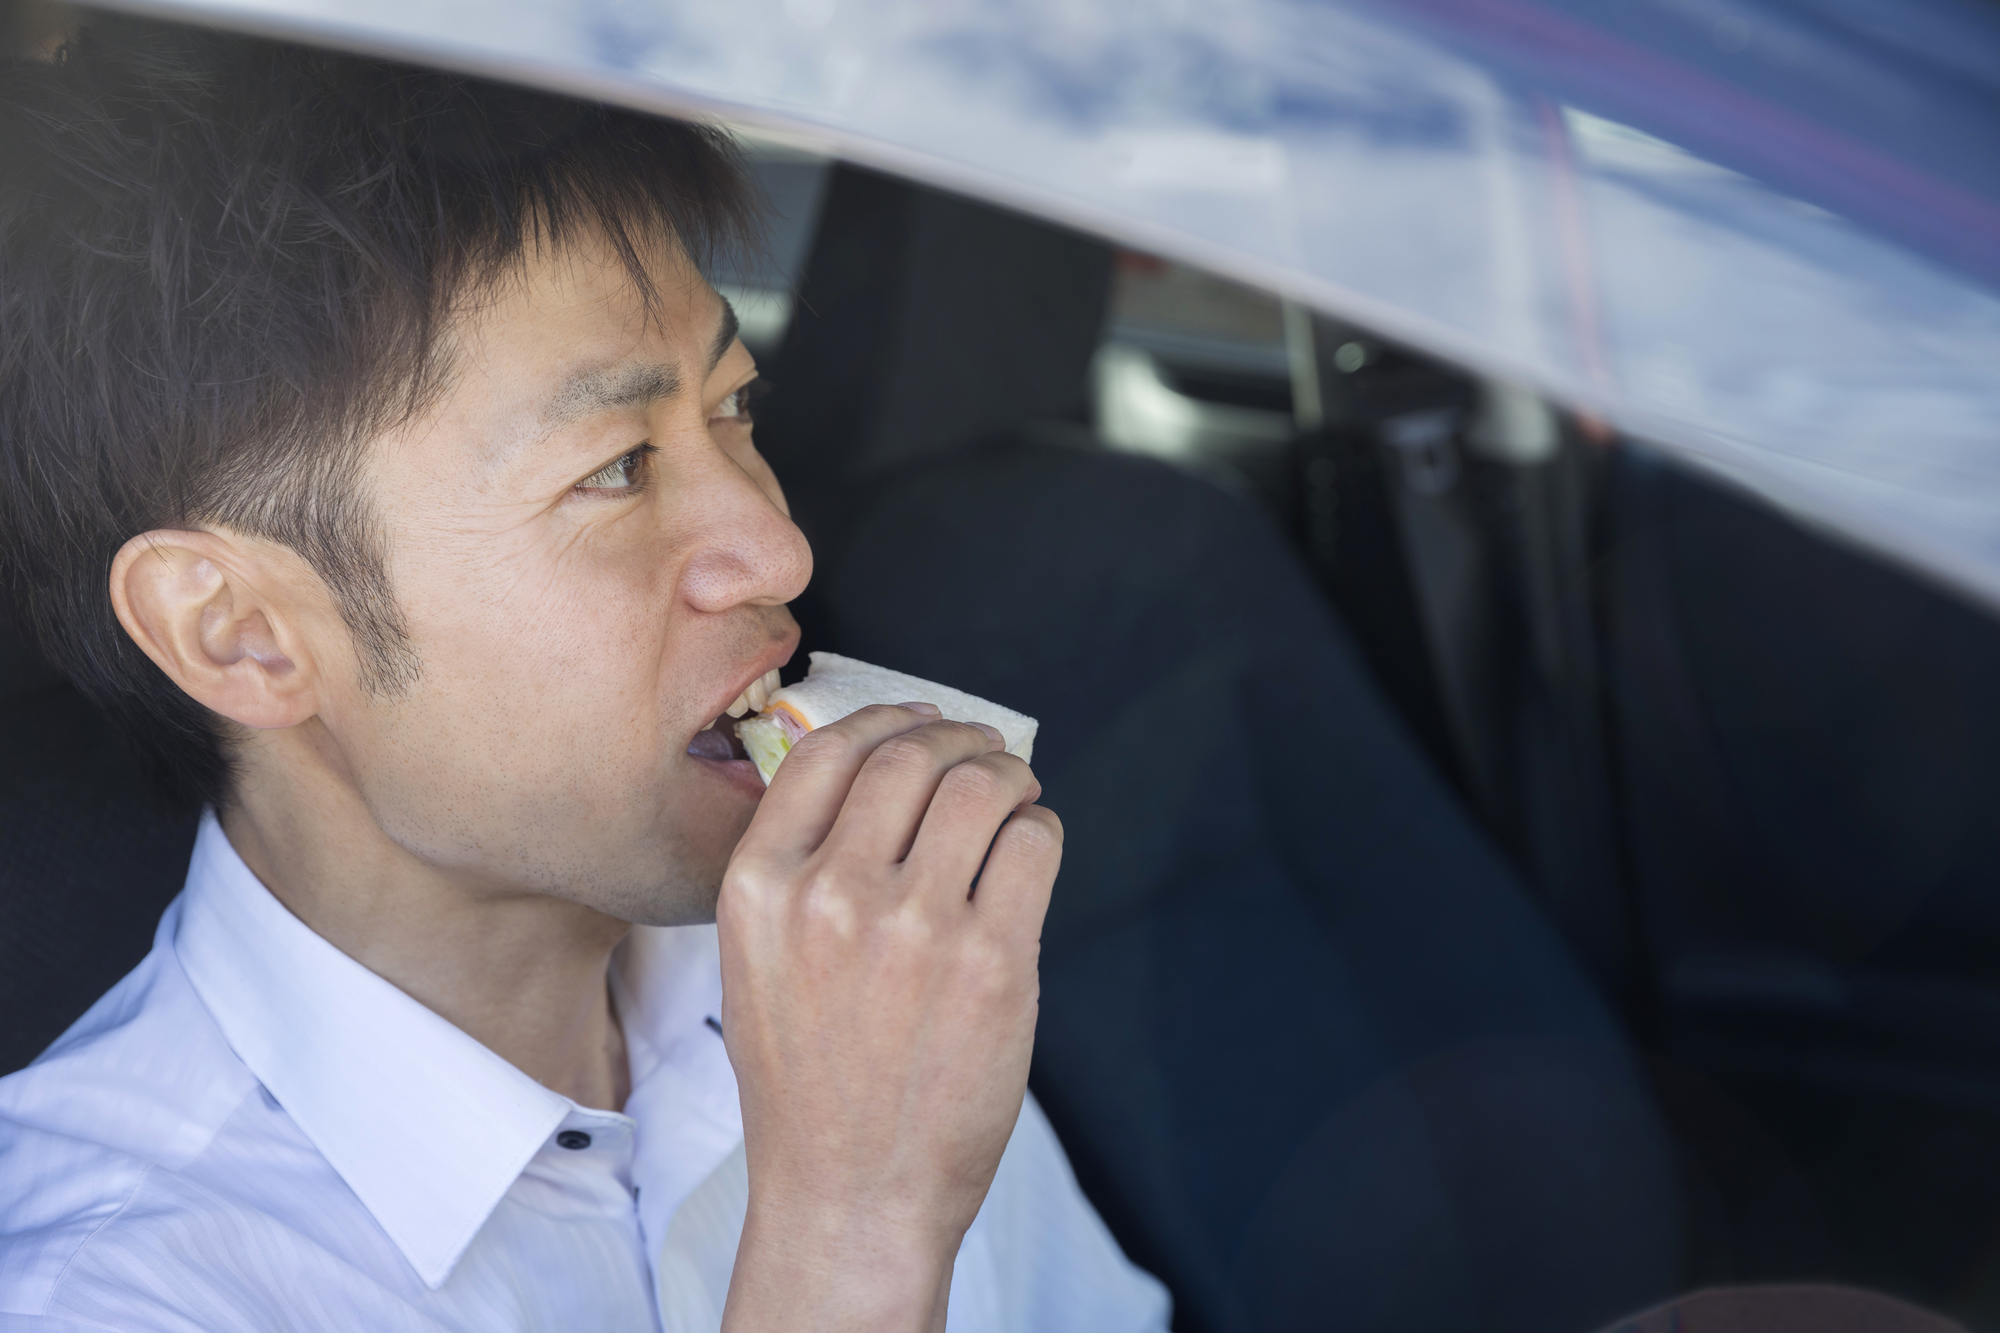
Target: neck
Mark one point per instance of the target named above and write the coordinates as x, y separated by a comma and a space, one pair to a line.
524, 973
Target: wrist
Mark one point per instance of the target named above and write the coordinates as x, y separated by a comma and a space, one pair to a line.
806, 1267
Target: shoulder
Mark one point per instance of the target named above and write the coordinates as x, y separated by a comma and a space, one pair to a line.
1053, 1259
140, 1084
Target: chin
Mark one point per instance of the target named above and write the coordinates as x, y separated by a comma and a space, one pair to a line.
685, 870
684, 896
661, 866
676, 907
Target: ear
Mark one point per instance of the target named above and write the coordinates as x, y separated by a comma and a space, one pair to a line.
212, 612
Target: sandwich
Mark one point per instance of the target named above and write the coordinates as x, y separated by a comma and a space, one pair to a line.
836, 686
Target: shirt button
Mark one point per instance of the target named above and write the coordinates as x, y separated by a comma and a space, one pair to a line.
573, 1139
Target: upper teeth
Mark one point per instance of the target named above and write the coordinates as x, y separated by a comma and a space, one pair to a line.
757, 696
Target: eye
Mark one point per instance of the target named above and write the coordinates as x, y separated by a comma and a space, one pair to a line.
736, 407
621, 474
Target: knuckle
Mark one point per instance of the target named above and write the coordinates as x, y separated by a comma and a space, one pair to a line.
747, 887
906, 754
987, 967
978, 781
1036, 829
828, 908
911, 932
1010, 763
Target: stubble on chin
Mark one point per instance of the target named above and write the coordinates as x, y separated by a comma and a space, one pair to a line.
679, 889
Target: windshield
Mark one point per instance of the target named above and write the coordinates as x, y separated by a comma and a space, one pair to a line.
1763, 235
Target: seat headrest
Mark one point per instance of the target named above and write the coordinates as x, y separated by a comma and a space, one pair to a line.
925, 322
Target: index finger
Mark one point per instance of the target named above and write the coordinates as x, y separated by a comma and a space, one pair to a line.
811, 785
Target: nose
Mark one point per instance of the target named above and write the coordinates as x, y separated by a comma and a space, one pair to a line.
746, 551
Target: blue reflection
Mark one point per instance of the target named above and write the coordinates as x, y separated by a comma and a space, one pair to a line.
1764, 233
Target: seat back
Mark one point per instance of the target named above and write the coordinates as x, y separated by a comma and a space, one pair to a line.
1809, 742
1313, 1056
88, 858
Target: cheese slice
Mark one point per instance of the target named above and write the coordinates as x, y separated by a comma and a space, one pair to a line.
836, 686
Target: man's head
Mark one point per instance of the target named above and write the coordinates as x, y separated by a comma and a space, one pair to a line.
396, 415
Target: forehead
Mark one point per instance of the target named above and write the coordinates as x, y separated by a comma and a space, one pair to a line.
585, 290
566, 334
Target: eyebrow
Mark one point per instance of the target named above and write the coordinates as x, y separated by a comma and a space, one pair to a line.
602, 389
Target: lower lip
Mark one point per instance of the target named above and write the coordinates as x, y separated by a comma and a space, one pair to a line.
738, 773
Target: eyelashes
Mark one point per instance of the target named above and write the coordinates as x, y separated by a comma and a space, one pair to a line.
737, 406
624, 473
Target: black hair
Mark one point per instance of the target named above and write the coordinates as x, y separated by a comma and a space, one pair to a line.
223, 265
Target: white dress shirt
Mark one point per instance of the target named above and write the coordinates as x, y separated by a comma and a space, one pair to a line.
253, 1132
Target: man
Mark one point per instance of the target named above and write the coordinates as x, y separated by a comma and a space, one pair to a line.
378, 456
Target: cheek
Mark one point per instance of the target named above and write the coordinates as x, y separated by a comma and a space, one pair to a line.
571, 637
539, 716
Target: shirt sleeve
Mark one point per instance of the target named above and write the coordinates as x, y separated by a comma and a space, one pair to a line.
1039, 1258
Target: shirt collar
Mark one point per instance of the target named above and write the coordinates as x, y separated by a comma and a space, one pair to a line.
667, 984
429, 1128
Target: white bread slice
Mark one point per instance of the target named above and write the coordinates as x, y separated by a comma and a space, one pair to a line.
836, 686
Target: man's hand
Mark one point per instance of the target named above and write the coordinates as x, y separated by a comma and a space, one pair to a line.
879, 1013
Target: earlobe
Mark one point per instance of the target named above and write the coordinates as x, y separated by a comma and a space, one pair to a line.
195, 603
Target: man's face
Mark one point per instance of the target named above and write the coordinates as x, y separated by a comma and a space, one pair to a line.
593, 562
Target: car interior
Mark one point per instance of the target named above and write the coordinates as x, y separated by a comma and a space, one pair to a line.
1590, 897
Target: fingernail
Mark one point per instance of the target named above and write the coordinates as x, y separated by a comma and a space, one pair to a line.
992, 734
929, 710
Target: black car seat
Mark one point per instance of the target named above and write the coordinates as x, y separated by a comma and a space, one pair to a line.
1315, 1057
1810, 745
88, 859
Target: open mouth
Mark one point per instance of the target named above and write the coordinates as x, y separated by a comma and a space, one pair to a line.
718, 741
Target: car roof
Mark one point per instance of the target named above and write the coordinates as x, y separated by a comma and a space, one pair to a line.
1763, 235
